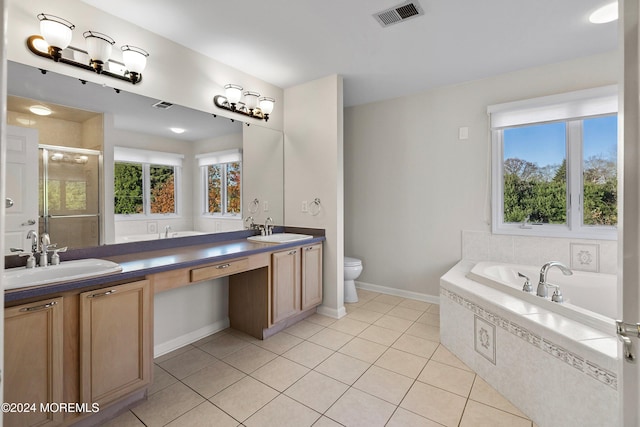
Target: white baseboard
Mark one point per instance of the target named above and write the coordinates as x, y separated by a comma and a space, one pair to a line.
398, 292
181, 341
332, 312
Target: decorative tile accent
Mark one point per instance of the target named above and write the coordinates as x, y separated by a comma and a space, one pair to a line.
485, 338
484, 317
585, 257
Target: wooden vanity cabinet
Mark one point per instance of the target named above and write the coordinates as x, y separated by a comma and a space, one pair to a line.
33, 361
115, 341
285, 282
311, 276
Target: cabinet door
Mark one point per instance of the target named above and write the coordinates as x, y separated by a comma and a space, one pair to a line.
311, 276
285, 296
115, 339
33, 361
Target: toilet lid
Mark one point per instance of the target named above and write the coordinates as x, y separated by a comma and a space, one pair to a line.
351, 262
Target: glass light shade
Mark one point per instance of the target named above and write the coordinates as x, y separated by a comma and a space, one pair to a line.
134, 58
266, 104
233, 93
607, 13
56, 31
251, 99
40, 110
98, 46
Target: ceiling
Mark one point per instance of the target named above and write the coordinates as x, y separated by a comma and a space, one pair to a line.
286, 42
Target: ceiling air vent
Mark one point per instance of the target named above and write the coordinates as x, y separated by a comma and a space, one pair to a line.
399, 13
163, 105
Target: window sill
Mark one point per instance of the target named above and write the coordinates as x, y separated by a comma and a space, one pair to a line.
558, 231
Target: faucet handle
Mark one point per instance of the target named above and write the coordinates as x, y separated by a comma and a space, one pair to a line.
527, 287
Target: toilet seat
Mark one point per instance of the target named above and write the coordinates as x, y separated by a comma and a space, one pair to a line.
352, 262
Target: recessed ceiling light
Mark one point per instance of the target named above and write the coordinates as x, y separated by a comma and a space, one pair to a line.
177, 130
40, 110
607, 13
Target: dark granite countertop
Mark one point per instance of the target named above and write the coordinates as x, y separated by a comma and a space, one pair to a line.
142, 258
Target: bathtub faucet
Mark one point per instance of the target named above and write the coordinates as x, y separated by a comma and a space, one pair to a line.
542, 284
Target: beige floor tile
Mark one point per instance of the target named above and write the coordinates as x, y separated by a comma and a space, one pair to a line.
213, 379
280, 343
380, 335
405, 313
384, 384
331, 339
243, 336
356, 408
161, 379
415, 305
365, 295
250, 358
223, 345
363, 315
367, 351
304, 329
187, 363
126, 419
204, 415
320, 319
415, 345
167, 405
435, 404
432, 319
443, 355
388, 299
427, 332
393, 323
210, 337
243, 398
435, 308
308, 354
377, 306
404, 418
317, 391
172, 354
401, 362
283, 412
482, 392
280, 373
349, 326
326, 422
479, 415
342, 368
448, 378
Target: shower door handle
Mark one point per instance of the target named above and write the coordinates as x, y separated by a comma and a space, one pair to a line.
29, 222
622, 329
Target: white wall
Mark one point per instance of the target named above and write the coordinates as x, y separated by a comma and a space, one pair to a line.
313, 146
411, 186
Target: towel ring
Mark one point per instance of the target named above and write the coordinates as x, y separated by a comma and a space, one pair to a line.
314, 207
254, 205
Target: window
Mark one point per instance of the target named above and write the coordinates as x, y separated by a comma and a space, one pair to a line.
555, 165
145, 182
221, 172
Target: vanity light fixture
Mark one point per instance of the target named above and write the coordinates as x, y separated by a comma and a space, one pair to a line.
252, 105
56, 35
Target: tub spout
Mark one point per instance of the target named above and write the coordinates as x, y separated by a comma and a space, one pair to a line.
542, 284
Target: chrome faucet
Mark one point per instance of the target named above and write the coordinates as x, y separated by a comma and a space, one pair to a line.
167, 229
33, 235
268, 229
542, 284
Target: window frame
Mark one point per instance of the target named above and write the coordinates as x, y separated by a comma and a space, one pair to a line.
220, 158
574, 227
147, 159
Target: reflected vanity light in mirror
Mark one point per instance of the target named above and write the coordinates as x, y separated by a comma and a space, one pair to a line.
56, 34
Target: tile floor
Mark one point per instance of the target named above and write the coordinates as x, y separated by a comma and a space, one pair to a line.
381, 365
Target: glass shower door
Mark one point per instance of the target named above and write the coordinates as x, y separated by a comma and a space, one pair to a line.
70, 195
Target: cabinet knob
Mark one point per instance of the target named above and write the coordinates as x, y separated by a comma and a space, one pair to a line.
102, 294
40, 307
293, 252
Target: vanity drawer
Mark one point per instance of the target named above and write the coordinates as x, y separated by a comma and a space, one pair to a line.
219, 270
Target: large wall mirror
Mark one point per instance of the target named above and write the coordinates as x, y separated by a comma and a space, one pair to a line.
104, 166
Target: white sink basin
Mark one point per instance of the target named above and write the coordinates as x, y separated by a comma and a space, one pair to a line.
279, 238
21, 277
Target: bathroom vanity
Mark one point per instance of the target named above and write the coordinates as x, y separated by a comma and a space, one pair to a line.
89, 343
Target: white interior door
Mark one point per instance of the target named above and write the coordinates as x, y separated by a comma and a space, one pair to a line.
629, 237
21, 186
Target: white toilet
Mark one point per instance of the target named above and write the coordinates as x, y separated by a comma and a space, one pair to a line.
352, 269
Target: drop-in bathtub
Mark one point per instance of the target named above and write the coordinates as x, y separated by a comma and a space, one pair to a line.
557, 363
